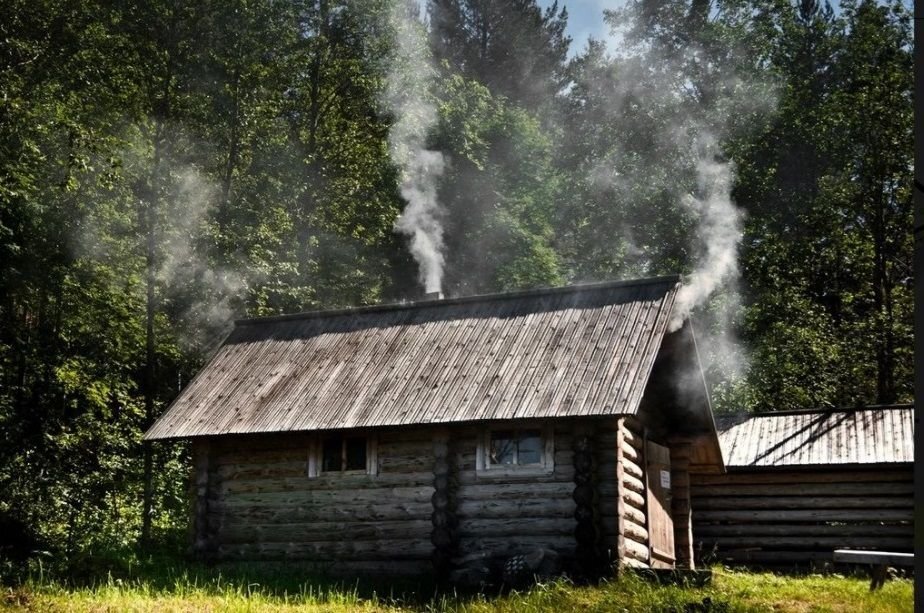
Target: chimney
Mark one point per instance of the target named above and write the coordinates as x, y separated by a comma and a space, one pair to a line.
433, 296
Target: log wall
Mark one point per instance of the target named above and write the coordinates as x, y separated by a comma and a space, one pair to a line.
503, 512
799, 517
265, 507
254, 500
622, 492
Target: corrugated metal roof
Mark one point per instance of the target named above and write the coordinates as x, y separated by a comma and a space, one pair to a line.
572, 351
870, 435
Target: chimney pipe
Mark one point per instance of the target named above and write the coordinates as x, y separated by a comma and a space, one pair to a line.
433, 296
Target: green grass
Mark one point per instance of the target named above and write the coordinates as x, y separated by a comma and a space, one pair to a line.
255, 588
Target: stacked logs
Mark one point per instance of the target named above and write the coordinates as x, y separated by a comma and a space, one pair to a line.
587, 532
445, 534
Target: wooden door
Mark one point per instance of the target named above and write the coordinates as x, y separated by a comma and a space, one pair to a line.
660, 523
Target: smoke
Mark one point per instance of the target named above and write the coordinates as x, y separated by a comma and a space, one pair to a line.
407, 96
192, 288
718, 233
208, 293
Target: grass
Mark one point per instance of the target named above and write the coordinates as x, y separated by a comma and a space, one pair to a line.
261, 589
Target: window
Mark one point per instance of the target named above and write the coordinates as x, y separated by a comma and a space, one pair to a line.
338, 453
516, 449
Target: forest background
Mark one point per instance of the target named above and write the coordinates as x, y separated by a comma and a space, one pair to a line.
168, 166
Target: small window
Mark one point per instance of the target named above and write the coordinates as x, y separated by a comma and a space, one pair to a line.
339, 453
515, 449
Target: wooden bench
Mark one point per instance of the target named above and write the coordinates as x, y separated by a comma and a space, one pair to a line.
880, 561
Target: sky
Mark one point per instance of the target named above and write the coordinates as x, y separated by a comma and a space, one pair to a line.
585, 18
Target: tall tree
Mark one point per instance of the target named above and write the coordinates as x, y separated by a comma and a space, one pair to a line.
513, 47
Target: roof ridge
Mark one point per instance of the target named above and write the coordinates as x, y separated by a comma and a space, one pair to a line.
818, 410
394, 306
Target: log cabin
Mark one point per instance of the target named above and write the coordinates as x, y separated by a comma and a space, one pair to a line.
800, 484
415, 438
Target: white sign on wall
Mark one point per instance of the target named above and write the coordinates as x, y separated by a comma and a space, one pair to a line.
666, 479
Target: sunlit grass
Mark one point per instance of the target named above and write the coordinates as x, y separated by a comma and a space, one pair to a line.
252, 589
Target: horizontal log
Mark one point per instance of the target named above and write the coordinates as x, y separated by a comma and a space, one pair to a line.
517, 490
630, 453
803, 515
776, 558
811, 542
344, 549
635, 531
243, 531
404, 464
292, 468
513, 528
868, 488
851, 475
514, 508
633, 498
633, 469
383, 511
508, 545
633, 563
629, 511
635, 550
326, 481
498, 477
330, 496
839, 529
633, 483
805, 502
633, 438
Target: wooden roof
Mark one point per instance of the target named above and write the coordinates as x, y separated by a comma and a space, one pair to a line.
870, 435
572, 351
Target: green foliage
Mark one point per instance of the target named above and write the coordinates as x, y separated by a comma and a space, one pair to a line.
219, 159
147, 587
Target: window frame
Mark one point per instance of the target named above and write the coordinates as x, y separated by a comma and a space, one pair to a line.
546, 465
315, 463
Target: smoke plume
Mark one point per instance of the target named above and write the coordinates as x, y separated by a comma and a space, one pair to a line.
407, 96
718, 233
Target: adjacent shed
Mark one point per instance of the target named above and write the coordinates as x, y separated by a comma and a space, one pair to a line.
415, 438
801, 484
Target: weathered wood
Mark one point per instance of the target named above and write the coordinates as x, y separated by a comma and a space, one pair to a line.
513, 508
531, 526
788, 476
514, 491
325, 481
783, 515
629, 452
343, 549
523, 542
383, 511
634, 470
329, 496
704, 530
621, 476
636, 550
804, 502
633, 513
242, 532
635, 531
869, 488
633, 498
889, 558
809, 542
633, 483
